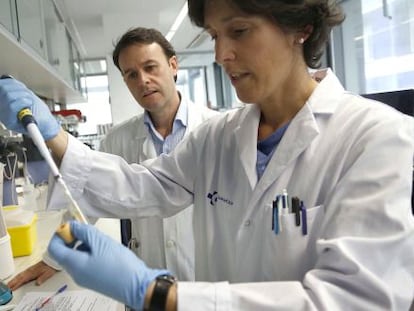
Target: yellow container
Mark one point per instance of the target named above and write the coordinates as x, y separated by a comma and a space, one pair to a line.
23, 236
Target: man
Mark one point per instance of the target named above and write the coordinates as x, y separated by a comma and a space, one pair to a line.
148, 64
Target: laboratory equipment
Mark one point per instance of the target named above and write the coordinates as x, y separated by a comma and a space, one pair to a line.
6, 256
5, 294
65, 233
22, 227
27, 119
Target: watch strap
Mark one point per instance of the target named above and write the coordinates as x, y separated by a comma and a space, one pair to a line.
159, 296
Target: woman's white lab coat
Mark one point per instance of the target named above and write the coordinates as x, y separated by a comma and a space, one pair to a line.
161, 243
349, 159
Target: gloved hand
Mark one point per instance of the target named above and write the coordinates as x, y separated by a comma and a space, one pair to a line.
14, 96
107, 267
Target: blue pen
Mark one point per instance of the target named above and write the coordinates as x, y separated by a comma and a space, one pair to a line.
304, 220
48, 299
275, 216
285, 202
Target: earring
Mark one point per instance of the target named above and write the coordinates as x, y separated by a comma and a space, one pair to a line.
301, 40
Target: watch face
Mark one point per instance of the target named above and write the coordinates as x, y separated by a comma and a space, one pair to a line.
167, 277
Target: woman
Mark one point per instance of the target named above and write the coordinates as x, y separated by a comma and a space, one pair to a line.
299, 201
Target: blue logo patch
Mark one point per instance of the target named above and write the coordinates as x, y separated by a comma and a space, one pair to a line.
214, 197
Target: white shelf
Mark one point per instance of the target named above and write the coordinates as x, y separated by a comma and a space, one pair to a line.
18, 60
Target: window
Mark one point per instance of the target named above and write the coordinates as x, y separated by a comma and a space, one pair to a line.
191, 84
378, 37
97, 110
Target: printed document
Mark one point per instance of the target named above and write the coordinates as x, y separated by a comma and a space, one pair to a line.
79, 300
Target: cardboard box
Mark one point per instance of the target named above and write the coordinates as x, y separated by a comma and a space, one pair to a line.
22, 228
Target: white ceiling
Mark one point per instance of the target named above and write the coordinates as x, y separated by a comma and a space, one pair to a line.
97, 24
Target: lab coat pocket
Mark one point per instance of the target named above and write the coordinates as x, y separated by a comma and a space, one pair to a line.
292, 249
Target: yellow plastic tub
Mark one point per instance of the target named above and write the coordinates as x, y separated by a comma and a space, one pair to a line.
22, 228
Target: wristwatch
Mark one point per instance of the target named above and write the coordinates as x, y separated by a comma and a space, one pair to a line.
162, 286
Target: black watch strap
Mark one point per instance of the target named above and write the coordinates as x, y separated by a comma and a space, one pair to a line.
159, 295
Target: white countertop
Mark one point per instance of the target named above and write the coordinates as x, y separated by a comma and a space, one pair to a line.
46, 225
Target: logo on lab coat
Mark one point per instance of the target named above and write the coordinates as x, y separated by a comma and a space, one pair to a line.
214, 197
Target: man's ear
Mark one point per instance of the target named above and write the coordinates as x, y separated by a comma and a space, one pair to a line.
174, 64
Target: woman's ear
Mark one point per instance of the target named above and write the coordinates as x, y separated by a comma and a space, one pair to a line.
304, 34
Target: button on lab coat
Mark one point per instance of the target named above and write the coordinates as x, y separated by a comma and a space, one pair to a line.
161, 243
348, 158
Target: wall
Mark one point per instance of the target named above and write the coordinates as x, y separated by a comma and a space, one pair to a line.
123, 105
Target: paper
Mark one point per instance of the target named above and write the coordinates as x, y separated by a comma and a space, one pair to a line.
79, 300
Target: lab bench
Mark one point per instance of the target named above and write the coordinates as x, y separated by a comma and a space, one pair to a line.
47, 222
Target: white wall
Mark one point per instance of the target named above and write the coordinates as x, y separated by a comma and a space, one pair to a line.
123, 104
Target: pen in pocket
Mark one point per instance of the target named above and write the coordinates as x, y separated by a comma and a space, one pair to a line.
275, 216
296, 208
304, 219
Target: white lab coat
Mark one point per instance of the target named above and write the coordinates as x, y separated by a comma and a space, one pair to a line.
161, 243
348, 158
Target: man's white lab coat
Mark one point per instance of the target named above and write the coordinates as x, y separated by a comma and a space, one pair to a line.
161, 243
348, 158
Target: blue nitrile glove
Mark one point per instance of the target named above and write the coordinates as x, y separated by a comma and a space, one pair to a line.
14, 96
107, 267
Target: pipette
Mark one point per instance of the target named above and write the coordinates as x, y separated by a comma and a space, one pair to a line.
25, 116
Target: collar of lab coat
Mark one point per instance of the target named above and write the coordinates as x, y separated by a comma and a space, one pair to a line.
302, 130
324, 98
194, 118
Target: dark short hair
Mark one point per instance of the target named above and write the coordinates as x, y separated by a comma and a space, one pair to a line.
141, 35
290, 15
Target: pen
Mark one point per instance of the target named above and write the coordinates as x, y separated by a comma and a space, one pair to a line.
48, 299
304, 220
285, 202
275, 216
279, 215
296, 210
